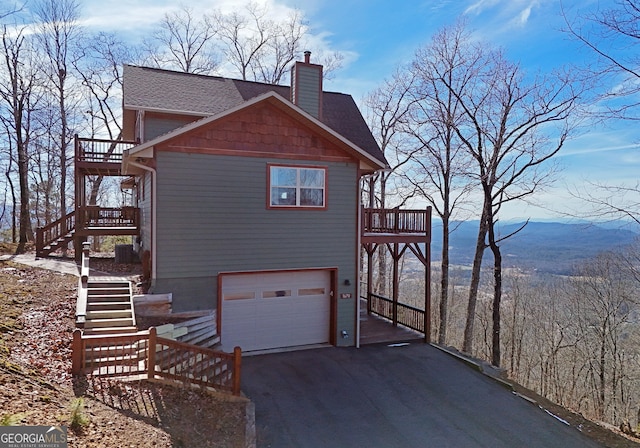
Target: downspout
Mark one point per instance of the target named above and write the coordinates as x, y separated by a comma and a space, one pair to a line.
153, 214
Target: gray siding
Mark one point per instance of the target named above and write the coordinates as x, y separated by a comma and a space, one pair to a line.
145, 211
308, 89
155, 126
213, 217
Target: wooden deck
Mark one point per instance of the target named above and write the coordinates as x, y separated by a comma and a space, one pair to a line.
376, 330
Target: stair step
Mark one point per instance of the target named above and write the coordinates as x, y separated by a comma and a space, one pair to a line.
107, 298
206, 337
109, 314
108, 323
110, 330
108, 290
107, 305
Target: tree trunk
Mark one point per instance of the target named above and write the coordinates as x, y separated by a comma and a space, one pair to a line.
467, 345
444, 283
601, 373
26, 233
14, 201
497, 296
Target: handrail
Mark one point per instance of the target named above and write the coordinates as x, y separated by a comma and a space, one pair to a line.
396, 220
96, 216
51, 232
83, 287
397, 312
100, 150
197, 365
145, 354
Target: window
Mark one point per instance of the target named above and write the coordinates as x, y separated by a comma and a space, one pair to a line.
297, 186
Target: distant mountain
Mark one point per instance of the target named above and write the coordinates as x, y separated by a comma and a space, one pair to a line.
544, 246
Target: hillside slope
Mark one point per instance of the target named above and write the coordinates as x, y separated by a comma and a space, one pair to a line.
36, 388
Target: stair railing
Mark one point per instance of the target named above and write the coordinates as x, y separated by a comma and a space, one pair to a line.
83, 287
144, 354
53, 231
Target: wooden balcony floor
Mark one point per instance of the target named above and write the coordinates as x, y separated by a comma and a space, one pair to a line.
375, 330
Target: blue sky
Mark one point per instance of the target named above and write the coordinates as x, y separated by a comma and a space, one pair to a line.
378, 35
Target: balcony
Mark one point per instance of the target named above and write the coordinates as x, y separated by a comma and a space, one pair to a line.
395, 225
99, 157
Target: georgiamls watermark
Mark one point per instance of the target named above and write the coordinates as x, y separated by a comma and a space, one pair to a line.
33, 437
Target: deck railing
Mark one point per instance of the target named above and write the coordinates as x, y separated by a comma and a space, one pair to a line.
398, 313
378, 220
98, 150
144, 354
95, 216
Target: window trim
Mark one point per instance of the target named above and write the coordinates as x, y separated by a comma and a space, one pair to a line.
323, 168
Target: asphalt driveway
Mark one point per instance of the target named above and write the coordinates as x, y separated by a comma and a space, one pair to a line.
379, 396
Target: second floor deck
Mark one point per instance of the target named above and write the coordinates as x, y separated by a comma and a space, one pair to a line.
97, 156
395, 225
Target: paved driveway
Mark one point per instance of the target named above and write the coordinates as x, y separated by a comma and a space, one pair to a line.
379, 396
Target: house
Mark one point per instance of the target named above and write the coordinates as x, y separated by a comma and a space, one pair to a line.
246, 201
249, 198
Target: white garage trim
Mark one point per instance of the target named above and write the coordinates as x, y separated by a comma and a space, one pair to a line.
276, 309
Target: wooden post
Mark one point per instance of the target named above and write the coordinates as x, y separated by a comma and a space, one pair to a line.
39, 242
369, 249
76, 353
395, 285
427, 279
237, 365
151, 353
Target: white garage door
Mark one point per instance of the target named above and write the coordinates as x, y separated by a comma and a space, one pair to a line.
275, 309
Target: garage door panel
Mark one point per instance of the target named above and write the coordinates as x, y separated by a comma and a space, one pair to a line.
278, 309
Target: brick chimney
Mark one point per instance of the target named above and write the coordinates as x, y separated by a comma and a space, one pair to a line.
306, 86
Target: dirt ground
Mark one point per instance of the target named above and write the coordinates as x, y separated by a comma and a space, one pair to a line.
36, 387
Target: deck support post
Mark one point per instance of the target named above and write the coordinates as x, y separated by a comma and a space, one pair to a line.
396, 282
427, 279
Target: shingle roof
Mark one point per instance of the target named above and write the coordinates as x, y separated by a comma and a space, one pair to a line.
163, 90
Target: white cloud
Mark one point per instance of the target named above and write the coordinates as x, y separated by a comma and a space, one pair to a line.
480, 6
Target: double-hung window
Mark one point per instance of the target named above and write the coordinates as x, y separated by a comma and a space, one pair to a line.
297, 186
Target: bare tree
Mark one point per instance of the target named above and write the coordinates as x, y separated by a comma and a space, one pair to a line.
262, 49
612, 34
508, 122
184, 42
19, 96
604, 305
388, 109
58, 31
245, 36
439, 161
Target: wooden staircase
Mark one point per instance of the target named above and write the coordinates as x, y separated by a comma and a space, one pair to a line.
55, 235
109, 307
62, 241
108, 343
